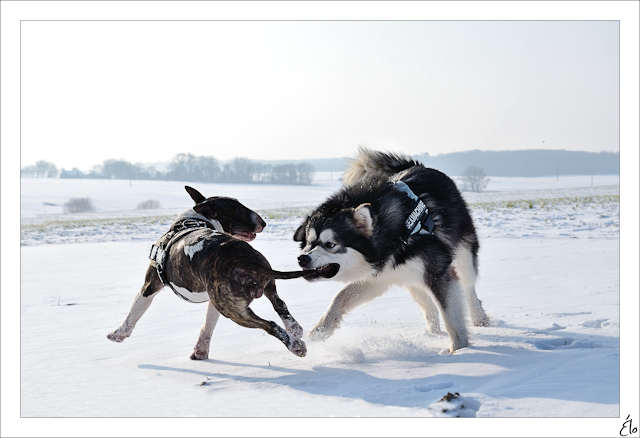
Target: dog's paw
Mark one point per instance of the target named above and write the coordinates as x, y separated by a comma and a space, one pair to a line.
200, 351
318, 334
482, 322
199, 355
453, 349
458, 341
293, 328
298, 348
116, 337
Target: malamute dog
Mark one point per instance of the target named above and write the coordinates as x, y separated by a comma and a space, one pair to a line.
395, 222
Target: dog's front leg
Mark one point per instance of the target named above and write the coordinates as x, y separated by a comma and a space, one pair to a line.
352, 296
201, 350
151, 287
448, 293
290, 324
140, 305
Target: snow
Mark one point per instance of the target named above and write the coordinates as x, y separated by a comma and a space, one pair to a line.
549, 279
110, 195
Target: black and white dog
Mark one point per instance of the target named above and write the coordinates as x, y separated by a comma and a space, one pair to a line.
205, 257
395, 222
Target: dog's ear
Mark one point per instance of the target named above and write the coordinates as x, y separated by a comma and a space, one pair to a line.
206, 209
363, 218
195, 195
300, 233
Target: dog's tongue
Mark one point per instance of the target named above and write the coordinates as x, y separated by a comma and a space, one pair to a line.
259, 293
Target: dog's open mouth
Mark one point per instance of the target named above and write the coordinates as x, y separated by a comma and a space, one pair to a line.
244, 235
326, 271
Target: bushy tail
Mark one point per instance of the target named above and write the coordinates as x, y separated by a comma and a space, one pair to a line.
369, 162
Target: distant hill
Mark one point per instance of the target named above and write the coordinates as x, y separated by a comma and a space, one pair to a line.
531, 162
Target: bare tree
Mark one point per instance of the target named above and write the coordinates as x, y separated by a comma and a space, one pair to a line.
189, 167
284, 174
117, 169
474, 179
262, 173
208, 168
306, 172
242, 170
182, 167
42, 169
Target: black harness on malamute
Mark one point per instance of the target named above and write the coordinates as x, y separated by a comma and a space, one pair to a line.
160, 250
419, 218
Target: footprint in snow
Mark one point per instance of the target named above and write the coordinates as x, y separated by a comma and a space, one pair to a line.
455, 405
596, 323
434, 386
569, 314
552, 344
568, 343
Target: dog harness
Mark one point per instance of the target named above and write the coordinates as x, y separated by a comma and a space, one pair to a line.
419, 218
160, 250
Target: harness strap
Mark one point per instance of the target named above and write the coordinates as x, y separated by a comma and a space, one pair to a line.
160, 250
419, 218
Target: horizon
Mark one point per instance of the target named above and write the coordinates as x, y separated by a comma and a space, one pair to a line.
221, 161
529, 162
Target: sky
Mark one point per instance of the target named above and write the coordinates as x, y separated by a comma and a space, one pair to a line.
144, 91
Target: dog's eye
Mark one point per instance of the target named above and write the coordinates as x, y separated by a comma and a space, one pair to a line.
329, 245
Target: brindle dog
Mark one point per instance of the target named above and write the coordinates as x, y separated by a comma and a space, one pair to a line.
211, 264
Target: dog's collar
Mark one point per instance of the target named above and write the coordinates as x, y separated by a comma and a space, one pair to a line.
190, 223
419, 218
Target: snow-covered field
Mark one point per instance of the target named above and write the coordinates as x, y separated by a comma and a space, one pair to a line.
549, 279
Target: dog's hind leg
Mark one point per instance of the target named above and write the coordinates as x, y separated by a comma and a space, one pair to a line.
246, 318
447, 293
143, 300
429, 309
478, 317
466, 273
353, 295
201, 350
290, 324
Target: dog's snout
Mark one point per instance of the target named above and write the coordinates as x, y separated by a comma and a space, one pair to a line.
304, 260
259, 223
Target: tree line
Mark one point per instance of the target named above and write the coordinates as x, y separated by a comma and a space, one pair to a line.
184, 167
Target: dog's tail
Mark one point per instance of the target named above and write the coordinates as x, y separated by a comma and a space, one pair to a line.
367, 161
288, 275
